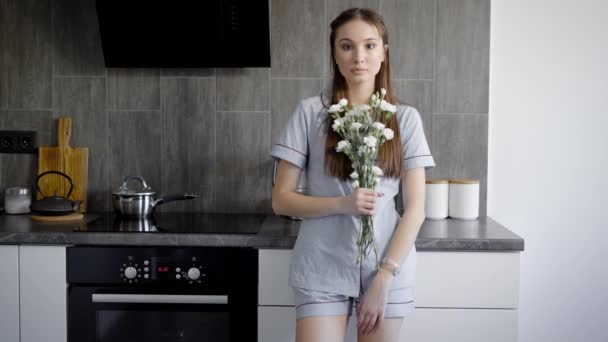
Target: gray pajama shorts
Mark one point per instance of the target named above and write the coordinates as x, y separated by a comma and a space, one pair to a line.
316, 303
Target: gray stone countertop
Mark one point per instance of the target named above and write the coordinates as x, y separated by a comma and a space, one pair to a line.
246, 230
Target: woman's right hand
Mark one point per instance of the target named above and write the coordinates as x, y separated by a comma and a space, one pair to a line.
362, 201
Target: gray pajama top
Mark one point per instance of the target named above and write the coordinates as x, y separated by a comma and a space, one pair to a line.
325, 252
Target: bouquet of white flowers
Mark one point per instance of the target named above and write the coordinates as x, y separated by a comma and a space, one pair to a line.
363, 131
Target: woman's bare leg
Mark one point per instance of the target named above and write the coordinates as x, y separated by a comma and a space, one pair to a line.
387, 332
321, 329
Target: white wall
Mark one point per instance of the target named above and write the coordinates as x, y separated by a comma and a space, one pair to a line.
548, 160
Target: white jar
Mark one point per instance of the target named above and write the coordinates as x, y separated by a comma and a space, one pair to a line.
17, 200
464, 199
436, 199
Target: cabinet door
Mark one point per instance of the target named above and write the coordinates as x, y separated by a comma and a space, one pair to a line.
276, 324
273, 275
42, 277
460, 325
9, 293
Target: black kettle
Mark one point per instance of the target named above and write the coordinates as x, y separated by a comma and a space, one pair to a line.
54, 205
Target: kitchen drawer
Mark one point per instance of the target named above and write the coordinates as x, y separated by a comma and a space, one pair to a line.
444, 279
273, 275
467, 279
460, 325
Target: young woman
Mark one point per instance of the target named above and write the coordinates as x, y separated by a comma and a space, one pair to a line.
324, 273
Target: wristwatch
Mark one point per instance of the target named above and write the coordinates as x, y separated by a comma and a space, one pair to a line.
392, 263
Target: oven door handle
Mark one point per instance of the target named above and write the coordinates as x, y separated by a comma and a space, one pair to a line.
157, 298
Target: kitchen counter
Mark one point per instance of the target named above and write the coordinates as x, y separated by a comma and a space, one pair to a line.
237, 230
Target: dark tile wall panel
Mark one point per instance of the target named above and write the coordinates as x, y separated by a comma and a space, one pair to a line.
134, 140
411, 26
188, 143
243, 162
25, 44
133, 89
298, 38
463, 56
243, 89
84, 99
77, 43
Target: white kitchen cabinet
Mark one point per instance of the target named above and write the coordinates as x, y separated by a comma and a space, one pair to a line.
460, 325
43, 293
276, 323
460, 296
9, 293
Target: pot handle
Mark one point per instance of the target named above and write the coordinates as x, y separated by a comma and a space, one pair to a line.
174, 197
128, 178
57, 173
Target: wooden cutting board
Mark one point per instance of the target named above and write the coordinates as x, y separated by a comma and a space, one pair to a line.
73, 161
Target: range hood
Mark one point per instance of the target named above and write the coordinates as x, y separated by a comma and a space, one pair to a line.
185, 34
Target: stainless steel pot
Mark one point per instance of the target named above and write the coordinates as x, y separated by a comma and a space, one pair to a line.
140, 201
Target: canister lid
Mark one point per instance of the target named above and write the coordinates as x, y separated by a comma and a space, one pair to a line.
437, 181
17, 191
464, 181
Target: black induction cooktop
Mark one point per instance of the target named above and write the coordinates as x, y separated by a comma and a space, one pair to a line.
193, 223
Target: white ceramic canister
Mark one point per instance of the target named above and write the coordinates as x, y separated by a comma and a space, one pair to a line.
17, 200
464, 199
436, 199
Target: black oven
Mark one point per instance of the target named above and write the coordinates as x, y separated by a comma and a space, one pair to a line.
164, 294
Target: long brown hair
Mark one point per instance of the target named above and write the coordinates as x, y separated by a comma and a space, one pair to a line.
390, 155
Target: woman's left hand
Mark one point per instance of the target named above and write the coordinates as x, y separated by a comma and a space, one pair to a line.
370, 311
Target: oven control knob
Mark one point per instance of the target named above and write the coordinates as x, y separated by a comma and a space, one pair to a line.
130, 272
194, 273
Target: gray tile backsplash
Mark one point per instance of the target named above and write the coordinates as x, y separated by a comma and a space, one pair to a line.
26, 48
76, 39
463, 55
411, 27
188, 143
133, 89
209, 131
134, 139
302, 56
242, 89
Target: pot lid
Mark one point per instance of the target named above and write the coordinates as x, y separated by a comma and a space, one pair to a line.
139, 188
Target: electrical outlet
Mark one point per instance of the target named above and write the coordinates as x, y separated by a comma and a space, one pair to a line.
18, 142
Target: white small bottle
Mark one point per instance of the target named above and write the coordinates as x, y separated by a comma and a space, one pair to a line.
436, 199
464, 199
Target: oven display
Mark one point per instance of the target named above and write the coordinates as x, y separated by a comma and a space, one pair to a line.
163, 268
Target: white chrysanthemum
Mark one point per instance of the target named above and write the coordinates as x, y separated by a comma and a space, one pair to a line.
335, 108
337, 124
343, 102
383, 91
378, 125
370, 141
364, 107
388, 133
355, 184
377, 171
387, 107
342, 145
354, 175
355, 126
374, 98
353, 112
